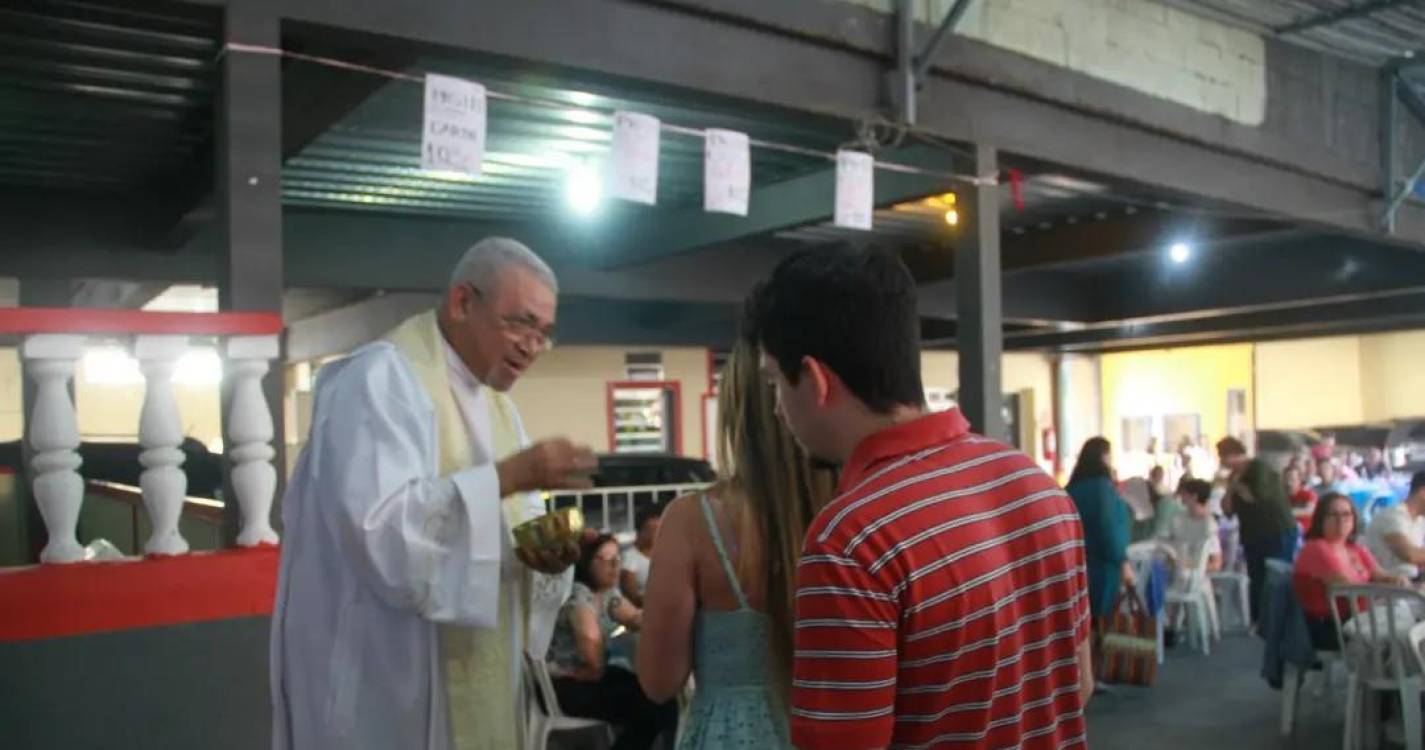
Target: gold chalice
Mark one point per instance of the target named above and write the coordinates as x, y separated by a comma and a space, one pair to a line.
551, 531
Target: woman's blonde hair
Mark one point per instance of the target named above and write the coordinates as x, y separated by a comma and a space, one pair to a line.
765, 467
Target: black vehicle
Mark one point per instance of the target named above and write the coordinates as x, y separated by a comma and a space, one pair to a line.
615, 510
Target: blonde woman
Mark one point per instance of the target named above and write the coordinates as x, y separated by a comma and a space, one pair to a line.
720, 595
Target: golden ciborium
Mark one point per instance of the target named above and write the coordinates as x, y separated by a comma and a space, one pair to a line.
551, 531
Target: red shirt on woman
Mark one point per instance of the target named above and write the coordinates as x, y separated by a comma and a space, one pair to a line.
1319, 561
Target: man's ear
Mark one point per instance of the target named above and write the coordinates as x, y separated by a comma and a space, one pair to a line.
456, 303
821, 378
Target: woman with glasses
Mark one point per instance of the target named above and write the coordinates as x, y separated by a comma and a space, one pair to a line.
1332, 557
585, 683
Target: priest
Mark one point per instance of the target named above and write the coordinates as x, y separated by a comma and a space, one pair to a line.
404, 610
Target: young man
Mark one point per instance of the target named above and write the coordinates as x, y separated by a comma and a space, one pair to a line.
941, 597
1396, 535
1257, 496
634, 576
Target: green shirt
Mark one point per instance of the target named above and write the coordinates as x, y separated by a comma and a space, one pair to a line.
1267, 513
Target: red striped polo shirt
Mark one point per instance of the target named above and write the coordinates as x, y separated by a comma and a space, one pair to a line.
941, 598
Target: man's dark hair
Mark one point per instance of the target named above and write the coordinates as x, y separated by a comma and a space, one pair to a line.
1231, 446
852, 309
646, 514
1197, 489
1417, 482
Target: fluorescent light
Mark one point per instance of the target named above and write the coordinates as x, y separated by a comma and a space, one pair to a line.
1180, 252
583, 189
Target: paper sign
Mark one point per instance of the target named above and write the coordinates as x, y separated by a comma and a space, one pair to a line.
854, 189
634, 172
453, 134
727, 172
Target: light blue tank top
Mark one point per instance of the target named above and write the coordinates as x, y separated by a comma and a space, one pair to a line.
734, 704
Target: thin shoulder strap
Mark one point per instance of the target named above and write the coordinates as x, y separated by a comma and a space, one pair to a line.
722, 551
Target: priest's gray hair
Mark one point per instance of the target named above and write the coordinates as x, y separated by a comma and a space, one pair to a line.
482, 263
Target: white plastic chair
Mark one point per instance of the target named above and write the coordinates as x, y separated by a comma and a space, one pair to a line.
1196, 602
1230, 585
1381, 646
1292, 677
540, 722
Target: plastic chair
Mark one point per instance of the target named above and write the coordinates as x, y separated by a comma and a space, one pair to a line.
1141, 556
1230, 585
1381, 645
1292, 677
543, 716
1195, 600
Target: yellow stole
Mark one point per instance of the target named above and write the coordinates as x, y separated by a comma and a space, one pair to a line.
477, 665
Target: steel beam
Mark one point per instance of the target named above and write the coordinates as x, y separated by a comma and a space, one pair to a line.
249, 202
947, 25
1329, 17
978, 304
1389, 106
1353, 313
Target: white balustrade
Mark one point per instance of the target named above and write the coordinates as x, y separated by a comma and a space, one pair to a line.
163, 482
250, 435
54, 438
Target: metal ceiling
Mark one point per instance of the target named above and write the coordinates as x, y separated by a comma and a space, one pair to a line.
370, 160
104, 98
1371, 31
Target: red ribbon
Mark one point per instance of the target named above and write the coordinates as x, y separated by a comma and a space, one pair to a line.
1016, 187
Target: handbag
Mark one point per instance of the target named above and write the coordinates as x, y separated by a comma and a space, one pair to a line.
1128, 642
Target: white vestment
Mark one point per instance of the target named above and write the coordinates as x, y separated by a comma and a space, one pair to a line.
380, 549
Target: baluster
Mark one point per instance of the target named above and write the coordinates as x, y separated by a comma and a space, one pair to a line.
249, 437
54, 436
160, 433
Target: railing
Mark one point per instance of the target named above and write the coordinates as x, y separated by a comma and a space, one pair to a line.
613, 509
54, 339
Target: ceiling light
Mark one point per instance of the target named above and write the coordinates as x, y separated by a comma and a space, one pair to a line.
583, 189
1180, 252
952, 217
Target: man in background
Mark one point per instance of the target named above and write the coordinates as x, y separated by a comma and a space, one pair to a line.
1257, 496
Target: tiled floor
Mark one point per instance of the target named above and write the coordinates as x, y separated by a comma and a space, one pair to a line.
1217, 702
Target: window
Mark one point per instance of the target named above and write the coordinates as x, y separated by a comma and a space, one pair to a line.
1137, 433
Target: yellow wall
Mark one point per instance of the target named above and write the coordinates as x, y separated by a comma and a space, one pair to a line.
1019, 371
1174, 381
1309, 382
11, 419
1393, 375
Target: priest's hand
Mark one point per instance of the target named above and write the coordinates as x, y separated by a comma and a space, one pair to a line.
551, 561
556, 464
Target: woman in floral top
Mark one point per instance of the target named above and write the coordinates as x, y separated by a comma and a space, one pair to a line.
584, 682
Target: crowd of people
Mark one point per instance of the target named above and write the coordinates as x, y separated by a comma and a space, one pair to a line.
1300, 515
866, 573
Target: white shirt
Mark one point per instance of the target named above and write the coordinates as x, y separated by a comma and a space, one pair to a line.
1192, 539
378, 548
636, 563
1394, 520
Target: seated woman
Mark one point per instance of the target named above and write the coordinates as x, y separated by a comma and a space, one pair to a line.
1332, 557
1193, 534
583, 681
